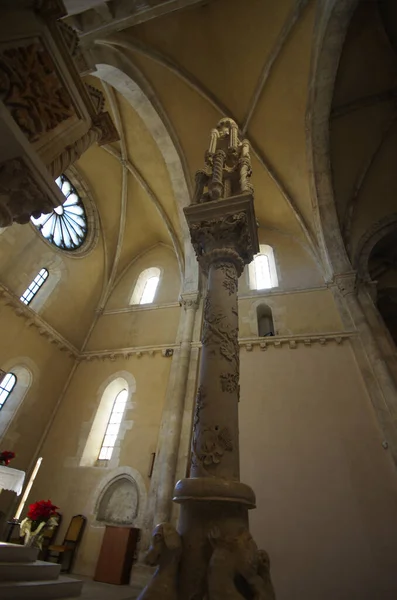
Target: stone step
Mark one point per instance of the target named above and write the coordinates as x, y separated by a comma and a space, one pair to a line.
17, 553
64, 587
29, 571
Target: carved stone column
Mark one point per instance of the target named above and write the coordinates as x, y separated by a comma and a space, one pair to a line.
219, 558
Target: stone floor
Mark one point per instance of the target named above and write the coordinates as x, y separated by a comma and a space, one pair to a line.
102, 591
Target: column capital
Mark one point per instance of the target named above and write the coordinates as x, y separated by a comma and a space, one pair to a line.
224, 230
190, 300
346, 282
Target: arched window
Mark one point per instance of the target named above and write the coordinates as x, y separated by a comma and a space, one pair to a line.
109, 426
146, 286
13, 389
113, 426
34, 287
265, 320
262, 272
66, 225
7, 384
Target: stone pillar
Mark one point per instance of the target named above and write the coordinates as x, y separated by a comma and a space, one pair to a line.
215, 450
386, 406
171, 422
214, 504
218, 556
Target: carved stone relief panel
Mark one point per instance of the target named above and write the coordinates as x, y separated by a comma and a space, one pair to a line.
119, 502
32, 90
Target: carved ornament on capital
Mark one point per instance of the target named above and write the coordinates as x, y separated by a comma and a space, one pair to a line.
347, 283
223, 231
190, 301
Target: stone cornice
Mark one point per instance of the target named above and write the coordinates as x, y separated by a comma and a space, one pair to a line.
293, 341
166, 350
139, 308
254, 294
34, 320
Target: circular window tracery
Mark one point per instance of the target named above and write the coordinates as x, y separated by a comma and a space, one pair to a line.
66, 226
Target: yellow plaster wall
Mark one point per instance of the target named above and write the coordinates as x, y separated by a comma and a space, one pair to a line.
305, 312
73, 488
326, 488
21, 345
142, 326
23, 253
160, 256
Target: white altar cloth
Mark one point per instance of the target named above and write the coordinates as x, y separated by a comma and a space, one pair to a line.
11, 479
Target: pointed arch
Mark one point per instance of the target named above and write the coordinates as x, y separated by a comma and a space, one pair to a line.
117, 70
332, 22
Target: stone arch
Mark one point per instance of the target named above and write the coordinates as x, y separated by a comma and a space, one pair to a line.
333, 19
116, 70
368, 241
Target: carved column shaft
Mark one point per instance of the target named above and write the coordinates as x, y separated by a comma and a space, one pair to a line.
215, 433
216, 185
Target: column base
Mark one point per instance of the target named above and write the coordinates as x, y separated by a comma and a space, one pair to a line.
213, 555
213, 489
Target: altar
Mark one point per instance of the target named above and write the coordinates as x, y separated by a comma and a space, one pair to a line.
11, 479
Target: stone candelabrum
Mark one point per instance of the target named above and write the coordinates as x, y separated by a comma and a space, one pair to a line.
213, 556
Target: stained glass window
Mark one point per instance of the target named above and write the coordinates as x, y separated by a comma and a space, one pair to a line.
113, 426
34, 287
66, 225
7, 384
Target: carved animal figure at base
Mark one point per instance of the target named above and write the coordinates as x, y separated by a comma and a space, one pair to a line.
165, 553
236, 559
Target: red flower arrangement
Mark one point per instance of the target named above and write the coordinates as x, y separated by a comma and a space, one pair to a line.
42, 510
42, 517
6, 457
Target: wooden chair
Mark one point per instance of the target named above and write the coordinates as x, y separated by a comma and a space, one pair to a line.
70, 543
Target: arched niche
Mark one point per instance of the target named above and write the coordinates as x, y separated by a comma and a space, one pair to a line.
119, 502
265, 320
98, 493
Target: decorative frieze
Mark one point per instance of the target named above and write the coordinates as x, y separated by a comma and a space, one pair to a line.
32, 90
